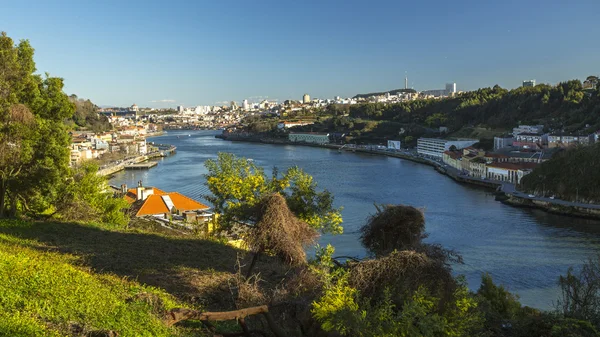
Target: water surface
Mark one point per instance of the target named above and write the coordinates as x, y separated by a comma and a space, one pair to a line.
526, 250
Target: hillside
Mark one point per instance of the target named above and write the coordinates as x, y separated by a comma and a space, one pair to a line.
571, 175
60, 279
86, 115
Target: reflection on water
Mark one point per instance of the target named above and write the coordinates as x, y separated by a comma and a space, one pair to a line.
526, 250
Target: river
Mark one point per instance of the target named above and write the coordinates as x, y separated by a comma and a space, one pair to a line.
523, 249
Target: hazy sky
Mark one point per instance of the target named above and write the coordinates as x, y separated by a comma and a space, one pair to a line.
205, 52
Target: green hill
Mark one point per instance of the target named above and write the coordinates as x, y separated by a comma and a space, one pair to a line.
570, 175
47, 293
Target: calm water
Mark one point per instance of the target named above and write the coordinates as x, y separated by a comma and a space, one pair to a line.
526, 250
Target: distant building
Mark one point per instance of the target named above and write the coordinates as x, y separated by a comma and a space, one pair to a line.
529, 83
306, 99
530, 140
560, 140
180, 108
245, 105
503, 141
394, 145
538, 129
450, 89
285, 125
434, 92
434, 147
509, 172
309, 137
134, 108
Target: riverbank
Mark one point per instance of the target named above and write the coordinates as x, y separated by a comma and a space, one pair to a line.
507, 193
164, 150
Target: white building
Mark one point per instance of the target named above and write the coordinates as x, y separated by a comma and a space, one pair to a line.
434, 147
134, 108
317, 138
502, 142
450, 88
180, 108
245, 105
537, 129
529, 83
394, 145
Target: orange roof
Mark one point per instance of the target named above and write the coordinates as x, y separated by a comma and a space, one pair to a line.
131, 195
155, 204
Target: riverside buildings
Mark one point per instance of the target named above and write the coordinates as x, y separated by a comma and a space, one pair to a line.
434, 147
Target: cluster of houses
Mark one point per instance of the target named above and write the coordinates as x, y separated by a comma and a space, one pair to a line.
534, 137
124, 139
514, 155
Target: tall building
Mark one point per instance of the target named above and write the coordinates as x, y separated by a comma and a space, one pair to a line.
306, 99
245, 105
450, 88
180, 108
529, 83
406, 82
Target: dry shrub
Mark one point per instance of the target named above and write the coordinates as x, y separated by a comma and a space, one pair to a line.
395, 227
19, 113
247, 291
279, 232
402, 272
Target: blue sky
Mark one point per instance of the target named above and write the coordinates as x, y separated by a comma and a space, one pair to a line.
204, 52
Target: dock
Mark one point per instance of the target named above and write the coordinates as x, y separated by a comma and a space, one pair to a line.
141, 166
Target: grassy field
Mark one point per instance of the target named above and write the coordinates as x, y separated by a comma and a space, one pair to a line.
61, 279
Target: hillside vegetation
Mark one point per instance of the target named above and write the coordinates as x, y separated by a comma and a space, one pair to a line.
570, 175
86, 116
48, 293
565, 107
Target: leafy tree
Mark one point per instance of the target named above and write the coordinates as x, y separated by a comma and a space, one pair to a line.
34, 155
86, 197
237, 185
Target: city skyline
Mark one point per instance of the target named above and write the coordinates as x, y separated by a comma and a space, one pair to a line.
164, 55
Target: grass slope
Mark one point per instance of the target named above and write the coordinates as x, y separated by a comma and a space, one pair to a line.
44, 293
56, 276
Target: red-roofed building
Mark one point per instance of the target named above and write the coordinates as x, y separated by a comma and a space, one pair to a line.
151, 201
509, 172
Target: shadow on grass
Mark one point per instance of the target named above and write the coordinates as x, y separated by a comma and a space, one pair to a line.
185, 267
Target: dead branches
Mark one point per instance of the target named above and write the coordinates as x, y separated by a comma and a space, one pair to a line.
182, 314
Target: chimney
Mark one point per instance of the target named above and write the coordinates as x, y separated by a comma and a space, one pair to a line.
140, 191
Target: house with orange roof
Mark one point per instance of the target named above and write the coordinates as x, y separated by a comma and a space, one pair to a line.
154, 202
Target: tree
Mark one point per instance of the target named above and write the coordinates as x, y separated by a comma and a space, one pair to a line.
237, 185
34, 142
85, 197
